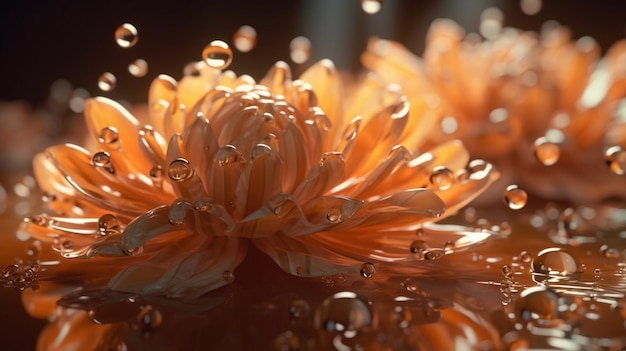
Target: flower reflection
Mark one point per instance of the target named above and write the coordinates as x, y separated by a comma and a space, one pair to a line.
519, 93
320, 175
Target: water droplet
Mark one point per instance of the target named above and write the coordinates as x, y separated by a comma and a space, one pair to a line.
525, 257
149, 319
610, 252
442, 178
228, 276
244, 38
491, 22
138, 68
217, 54
229, 155
546, 152
126, 35
371, 6
530, 7
67, 244
300, 49
507, 270
615, 158
282, 208
10, 271
477, 169
418, 247
514, 197
299, 308
179, 170
108, 224
449, 125
434, 254
368, 270
345, 313
555, 262
102, 159
107, 81
449, 246
132, 251
542, 307
334, 215
108, 135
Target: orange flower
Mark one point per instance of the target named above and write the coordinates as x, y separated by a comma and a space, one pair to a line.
517, 92
320, 176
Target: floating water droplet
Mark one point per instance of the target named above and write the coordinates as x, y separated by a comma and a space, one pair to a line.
546, 152
615, 159
299, 308
334, 215
217, 54
244, 38
368, 270
449, 125
282, 208
491, 22
138, 68
514, 197
108, 135
442, 178
531, 7
126, 35
228, 276
179, 170
345, 313
553, 262
371, 6
149, 319
300, 49
107, 81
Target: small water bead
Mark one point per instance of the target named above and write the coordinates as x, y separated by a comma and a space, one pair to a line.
228, 276
442, 178
368, 270
418, 247
179, 170
149, 319
546, 152
346, 313
126, 35
299, 308
107, 81
507, 270
434, 254
102, 159
610, 252
300, 49
525, 257
138, 68
132, 251
334, 215
217, 54
449, 246
244, 38
108, 224
555, 261
371, 6
477, 169
108, 135
615, 159
514, 197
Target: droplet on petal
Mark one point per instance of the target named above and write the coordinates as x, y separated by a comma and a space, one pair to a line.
615, 158
179, 170
108, 135
228, 276
217, 54
514, 197
126, 35
102, 159
442, 178
334, 215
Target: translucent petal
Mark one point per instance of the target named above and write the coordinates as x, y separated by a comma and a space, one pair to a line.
294, 156
161, 94
322, 177
227, 168
200, 145
191, 186
278, 78
262, 179
326, 83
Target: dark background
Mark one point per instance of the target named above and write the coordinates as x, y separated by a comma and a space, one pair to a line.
43, 41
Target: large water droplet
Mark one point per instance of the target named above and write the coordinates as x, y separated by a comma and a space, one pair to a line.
149, 319
108, 135
546, 152
217, 54
334, 215
300, 49
126, 35
179, 170
368, 270
514, 197
554, 262
371, 6
530, 7
138, 68
108, 224
345, 313
107, 81
244, 38
615, 158
542, 307
442, 178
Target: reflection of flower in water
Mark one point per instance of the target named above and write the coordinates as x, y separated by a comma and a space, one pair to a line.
285, 164
517, 91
